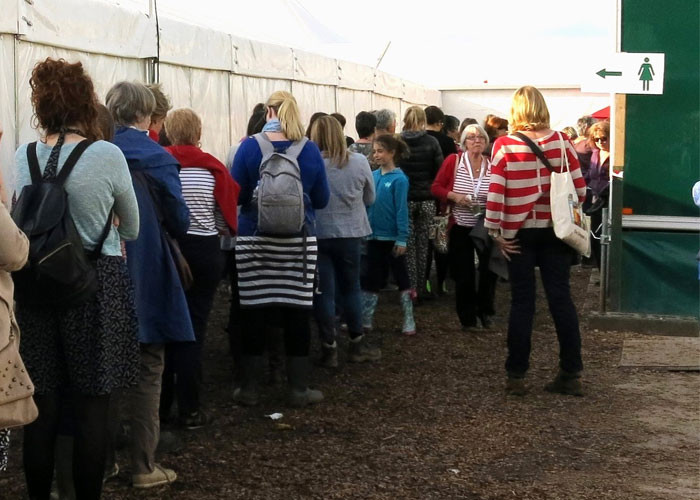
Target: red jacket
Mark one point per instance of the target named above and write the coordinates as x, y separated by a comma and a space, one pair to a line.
445, 181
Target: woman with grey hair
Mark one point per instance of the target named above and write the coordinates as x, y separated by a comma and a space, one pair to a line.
160, 298
386, 122
463, 184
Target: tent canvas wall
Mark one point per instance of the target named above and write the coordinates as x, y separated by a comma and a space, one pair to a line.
220, 75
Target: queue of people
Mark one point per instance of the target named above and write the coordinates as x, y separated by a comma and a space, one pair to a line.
319, 225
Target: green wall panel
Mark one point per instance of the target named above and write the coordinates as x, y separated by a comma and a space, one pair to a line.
662, 145
660, 273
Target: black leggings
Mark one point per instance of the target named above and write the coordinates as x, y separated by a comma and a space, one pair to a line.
90, 413
296, 324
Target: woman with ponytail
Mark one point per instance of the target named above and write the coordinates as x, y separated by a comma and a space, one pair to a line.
273, 271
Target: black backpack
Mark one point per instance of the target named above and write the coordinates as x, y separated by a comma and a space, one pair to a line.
59, 272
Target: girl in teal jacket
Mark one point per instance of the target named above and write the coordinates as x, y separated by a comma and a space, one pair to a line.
388, 218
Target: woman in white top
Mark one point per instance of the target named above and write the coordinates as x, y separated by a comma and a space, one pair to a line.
463, 183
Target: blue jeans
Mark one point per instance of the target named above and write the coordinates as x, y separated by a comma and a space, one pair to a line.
339, 275
540, 247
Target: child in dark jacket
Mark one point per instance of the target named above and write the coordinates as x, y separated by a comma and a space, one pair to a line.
388, 218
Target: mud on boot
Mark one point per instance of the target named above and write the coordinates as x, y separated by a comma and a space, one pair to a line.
300, 395
359, 351
566, 383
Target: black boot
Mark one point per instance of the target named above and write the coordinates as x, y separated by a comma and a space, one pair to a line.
298, 378
251, 374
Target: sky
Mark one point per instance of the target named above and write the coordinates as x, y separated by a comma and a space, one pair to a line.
451, 44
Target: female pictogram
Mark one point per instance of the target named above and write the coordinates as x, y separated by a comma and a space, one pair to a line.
646, 74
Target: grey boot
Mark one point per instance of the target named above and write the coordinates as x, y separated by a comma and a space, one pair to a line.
298, 378
329, 355
359, 351
251, 374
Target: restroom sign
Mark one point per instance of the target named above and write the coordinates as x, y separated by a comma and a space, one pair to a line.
625, 73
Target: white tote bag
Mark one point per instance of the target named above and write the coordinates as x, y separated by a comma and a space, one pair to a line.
571, 225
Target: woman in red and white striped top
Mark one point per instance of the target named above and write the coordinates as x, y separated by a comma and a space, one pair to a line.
463, 182
519, 219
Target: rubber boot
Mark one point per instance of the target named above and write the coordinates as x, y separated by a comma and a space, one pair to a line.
566, 383
369, 306
329, 355
409, 324
298, 378
359, 351
252, 368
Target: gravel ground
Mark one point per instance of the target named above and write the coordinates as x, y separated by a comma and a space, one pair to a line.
431, 421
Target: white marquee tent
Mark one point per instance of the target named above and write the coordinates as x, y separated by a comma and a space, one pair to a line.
219, 75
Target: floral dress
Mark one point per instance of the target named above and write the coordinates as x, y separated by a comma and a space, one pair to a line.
4, 447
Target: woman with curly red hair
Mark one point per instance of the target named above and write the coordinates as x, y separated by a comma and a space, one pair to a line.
89, 350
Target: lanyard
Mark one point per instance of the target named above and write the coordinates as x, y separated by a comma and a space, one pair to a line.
468, 167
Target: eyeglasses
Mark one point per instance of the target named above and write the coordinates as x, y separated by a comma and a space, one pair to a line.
600, 139
476, 138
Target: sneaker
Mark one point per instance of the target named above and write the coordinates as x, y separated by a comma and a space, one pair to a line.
359, 351
159, 477
515, 386
195, 420
565, 383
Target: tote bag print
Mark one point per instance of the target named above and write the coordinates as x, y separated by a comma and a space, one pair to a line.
571, 225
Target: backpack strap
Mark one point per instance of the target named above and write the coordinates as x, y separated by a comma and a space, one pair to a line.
266, 147
33, 161
295, 149
97, 251
72, 159
535, 149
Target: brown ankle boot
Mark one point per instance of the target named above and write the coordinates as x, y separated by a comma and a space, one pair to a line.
566, 383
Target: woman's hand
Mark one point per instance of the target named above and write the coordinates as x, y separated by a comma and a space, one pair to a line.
507, 247
461, 200
398, 250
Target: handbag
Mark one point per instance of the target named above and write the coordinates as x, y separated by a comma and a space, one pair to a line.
439, 231
17, 407
181, 264
571, 225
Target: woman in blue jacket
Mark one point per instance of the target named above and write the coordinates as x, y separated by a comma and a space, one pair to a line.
388, 218
276, 272
160, 299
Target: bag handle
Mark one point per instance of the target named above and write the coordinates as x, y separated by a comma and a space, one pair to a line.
535, 149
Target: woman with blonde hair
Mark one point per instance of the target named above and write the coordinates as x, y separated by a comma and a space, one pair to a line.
598, 180
276, 271
420, 167
340, 228
519, 220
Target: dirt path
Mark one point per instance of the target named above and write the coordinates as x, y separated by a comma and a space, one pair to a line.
431, 421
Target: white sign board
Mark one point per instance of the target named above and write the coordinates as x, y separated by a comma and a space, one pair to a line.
625, 73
